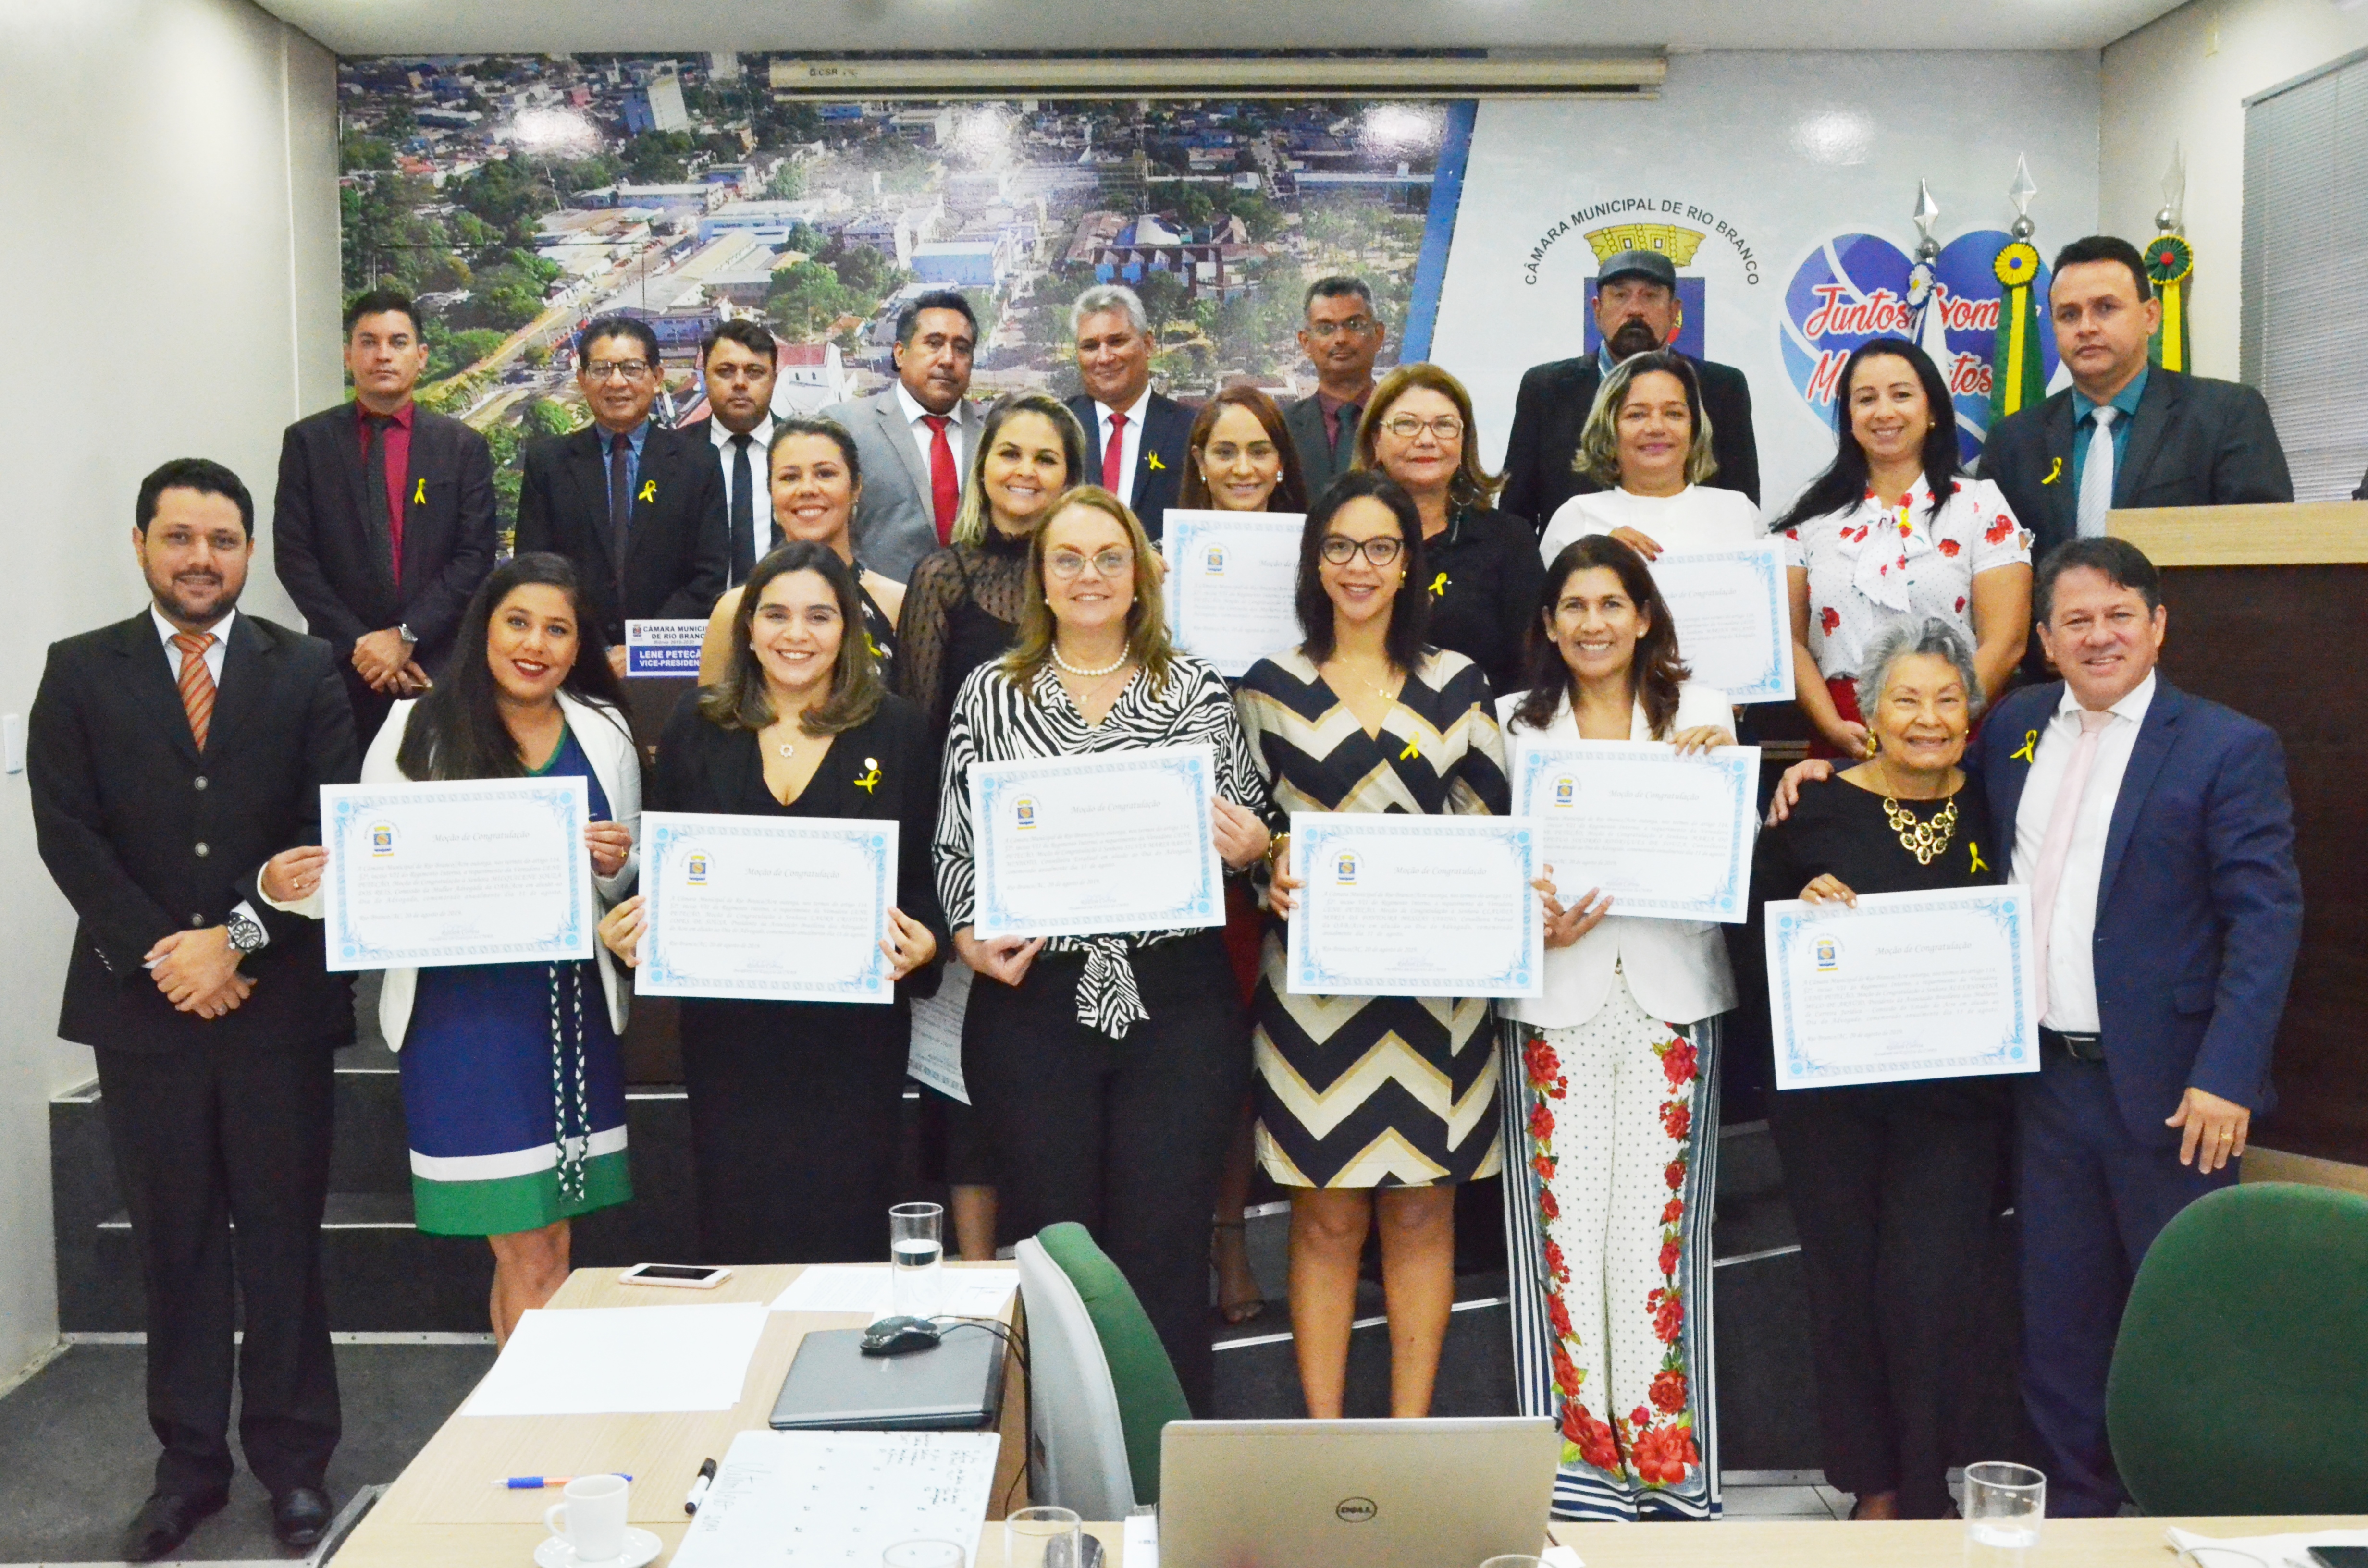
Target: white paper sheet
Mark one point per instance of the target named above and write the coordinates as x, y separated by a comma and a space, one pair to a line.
622, 1360
934, 1057
804, 1499
863, 1288
1141, 1543
2255, 1550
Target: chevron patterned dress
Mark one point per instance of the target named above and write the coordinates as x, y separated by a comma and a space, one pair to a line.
1374, 1090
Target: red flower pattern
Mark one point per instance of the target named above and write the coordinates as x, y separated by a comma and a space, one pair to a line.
1961, 604
1594, 1438
1669, 1392
1662, 1455
1558, 1316
1546, 1204
1669, 1258
1674, 1213
1675, 1174
1556, 1265
1670, 1318
1676, 1119
1830, 618
1678, 1062
1950, 547
1566, 1371
1998, 530
1542, 1122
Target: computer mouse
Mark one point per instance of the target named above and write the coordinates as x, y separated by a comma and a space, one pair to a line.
899, 1336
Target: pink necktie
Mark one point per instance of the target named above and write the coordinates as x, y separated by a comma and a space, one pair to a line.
1114, 458
2056, 848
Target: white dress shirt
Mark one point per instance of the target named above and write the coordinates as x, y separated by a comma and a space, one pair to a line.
2072, 929
1677, 969
760, 480
1130, 452
923, 437
215, 653
1698, 517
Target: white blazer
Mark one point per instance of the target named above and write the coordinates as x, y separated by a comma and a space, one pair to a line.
1677, 969
608, 743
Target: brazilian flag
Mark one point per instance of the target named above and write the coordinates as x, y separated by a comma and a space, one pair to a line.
2018, 375
2170, 263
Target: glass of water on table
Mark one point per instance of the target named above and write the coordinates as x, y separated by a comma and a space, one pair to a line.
916, 1252
2004, 1505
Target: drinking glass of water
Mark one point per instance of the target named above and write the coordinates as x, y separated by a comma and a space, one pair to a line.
923, 1555
2004, 1503
915, 1258
1043, 1537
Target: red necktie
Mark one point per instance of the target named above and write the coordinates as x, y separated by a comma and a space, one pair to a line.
197, 682
945, 484
1114, 458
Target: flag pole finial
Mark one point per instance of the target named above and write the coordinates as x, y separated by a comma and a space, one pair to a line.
2021, 191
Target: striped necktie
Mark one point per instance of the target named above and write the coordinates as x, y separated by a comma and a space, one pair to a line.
197, 682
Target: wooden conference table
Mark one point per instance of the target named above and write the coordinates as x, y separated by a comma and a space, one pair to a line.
443, 1508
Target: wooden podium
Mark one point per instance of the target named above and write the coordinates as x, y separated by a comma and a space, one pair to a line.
2269, 615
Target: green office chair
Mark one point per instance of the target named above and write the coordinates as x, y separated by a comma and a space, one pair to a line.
2240, 1379
1140, 1376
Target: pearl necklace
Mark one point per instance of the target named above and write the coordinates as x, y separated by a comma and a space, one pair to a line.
1109, 669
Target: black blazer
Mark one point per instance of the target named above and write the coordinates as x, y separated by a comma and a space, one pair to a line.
1305, 420
145, 835
1552, 409
2193, 442
1159, 471
321, 545
679, 547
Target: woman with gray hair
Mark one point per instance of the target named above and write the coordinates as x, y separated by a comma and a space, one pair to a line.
1892, 1185
1648, 443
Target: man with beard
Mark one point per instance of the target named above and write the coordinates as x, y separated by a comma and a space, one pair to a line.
915, 438
1636, 309
1341, 338
1135, 438
740, 369
175, 762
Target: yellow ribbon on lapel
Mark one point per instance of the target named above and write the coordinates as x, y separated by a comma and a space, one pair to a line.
1438, 586
2030, 747
1977, 849
1151, 460
419, 496
649, 491
2054, 471
869, 781
1413, 751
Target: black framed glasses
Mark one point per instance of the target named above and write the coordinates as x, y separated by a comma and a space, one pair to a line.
1383, 550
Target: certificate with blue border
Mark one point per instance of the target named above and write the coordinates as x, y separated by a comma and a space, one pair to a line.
1230, 581
770, 909
1734, 615
1668, 837
1405, 906
1907, 985
490, 870
1104, 842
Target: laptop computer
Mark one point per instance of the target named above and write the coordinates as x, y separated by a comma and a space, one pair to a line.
956, 1386
1437, 1493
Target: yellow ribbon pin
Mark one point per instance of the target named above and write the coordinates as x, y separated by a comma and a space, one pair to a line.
649, 491
1151, 460
869, 781
2029, 746
419, 496
1438, 586
1977, 849
876, 653
1412, 750
2054, 472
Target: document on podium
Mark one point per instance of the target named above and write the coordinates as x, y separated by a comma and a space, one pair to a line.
1734, 614
1907, 985
1403, 906
489, 870
777, 909
1668, 837
1230, 581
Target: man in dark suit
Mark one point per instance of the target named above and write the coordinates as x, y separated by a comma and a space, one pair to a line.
1636, 309
1134, 437
1342, 334
638, 509
740, 367
175, 762
2155, 833
2171, 440
383, 523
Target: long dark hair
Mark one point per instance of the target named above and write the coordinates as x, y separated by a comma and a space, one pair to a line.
1654, 671
1410, 608
456, 731
738, 701
1844, 485
1289, 485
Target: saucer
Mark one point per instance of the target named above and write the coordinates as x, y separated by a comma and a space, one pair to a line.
641, 1548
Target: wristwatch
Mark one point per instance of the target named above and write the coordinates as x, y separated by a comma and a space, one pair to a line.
247, 932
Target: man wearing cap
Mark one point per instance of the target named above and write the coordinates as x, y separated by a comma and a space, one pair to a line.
1636, 309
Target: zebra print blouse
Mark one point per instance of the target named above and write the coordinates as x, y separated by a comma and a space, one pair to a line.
994, 719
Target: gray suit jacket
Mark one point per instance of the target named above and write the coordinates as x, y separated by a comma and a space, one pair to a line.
894, 524
1305, 420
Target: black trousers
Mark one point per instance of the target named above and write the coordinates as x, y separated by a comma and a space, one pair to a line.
1124, 1136
1893, 1188
205, 1141
794, 1113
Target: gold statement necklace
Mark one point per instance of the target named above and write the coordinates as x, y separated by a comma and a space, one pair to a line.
1929, 840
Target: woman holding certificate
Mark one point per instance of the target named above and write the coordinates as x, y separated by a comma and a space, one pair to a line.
1647, 442
1611, 1208
795, 1105
513, 1087
1372, 1104
961, 610
1480, 566
1107, 1063
1893, 1184
1241, 460
1892, 528
817, 477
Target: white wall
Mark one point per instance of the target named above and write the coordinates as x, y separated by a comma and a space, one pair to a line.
2185, 78
172, 290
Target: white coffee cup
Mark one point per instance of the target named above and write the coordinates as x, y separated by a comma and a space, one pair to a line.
592, 1519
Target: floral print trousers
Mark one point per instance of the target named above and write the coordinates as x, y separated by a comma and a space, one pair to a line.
1608, 1230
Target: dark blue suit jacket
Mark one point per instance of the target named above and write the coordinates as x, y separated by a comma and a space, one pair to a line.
2199, 910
